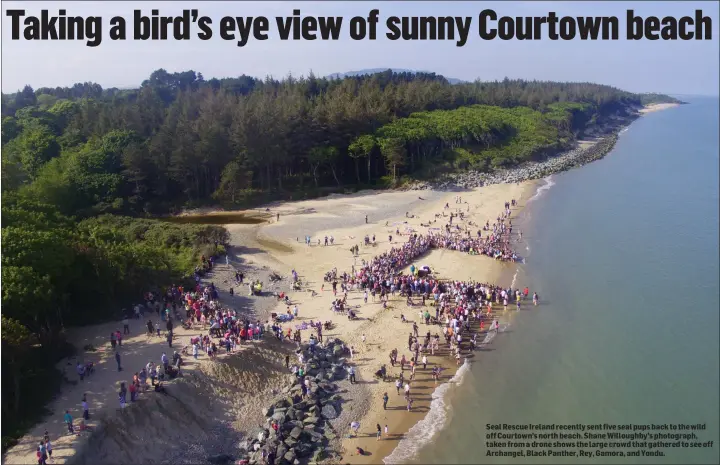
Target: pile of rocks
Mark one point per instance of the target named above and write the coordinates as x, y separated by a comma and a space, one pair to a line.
304, 428
532, 170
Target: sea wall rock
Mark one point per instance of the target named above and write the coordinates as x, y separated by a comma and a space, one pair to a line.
532, 170
303, 428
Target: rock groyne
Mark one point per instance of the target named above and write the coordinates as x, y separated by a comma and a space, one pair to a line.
304, 430
576, 157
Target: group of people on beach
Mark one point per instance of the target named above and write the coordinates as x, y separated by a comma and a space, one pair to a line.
459, 310
462, 309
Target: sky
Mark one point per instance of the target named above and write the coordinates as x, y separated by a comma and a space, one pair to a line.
681, 67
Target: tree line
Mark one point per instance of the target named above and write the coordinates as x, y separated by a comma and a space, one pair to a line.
180, 139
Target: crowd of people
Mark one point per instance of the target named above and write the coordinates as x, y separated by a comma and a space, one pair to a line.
458, 311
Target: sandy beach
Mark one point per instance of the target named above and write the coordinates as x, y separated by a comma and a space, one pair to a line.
657, 107
222, 400
343, 218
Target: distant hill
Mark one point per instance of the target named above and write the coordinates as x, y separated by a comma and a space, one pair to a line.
380, 70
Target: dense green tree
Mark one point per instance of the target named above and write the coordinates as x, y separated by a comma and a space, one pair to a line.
362, 147
16, 343
393, 150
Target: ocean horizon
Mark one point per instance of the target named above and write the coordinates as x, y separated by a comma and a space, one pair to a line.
624, 255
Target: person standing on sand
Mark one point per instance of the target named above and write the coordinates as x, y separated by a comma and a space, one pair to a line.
355, 426
41, 457
86, 410
80, 370
68, 419
48, 448
379, 431
385, 400
117, 359
398, 385
43, 452
122, 395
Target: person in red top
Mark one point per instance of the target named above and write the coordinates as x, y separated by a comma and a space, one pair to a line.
526, 291
133, 392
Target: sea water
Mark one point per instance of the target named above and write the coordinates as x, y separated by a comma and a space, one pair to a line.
624, 255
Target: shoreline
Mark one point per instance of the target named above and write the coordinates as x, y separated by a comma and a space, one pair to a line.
594, 146
412, 428
653, 107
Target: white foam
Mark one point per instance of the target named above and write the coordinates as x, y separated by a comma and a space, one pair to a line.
548, 184
490, 335
512, 284
422, 432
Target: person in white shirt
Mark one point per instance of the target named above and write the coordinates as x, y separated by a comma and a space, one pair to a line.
355, 426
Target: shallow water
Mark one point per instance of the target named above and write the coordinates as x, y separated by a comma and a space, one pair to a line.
624, 255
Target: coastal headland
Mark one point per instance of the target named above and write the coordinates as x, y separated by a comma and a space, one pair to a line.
214, 411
